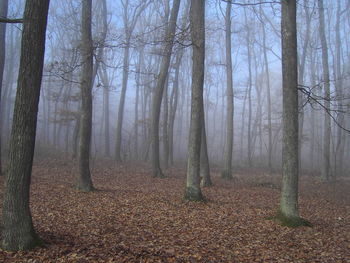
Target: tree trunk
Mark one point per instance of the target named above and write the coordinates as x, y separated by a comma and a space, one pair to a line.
268, 97
118, 144
197, 26
18, 232
327, 119
158, 93
289, 213
3, 13
165, 126
84, 182
340, 145
249, 148
173, 106
227, 172
205, 167
301, 77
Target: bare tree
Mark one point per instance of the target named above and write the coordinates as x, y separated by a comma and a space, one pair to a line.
129, 20
158, 93
327, 119
289, 212
205, 166
197, 25
84, 182
18, 231
227, 172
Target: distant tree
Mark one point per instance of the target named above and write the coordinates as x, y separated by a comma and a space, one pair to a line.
161, 82
227, 172
197, 25
289, 212
327, 119
18, 231
205, 166
130, 18
3, 13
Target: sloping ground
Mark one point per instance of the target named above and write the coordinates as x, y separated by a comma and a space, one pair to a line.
136, 218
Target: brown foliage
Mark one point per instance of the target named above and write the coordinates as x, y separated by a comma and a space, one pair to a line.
136, 218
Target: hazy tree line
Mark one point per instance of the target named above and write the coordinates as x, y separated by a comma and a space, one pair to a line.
117, 83
128, 44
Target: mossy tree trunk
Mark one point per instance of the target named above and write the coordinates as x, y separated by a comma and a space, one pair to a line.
84, 182
18, 232
197, 26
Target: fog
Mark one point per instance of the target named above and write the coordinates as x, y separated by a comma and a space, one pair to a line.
255, 32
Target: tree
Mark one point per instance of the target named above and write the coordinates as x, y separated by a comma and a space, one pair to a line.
3, 13
227, 173
197, 26
18, 232
289, 213
84, 182
158, 93
327, 119
129, 21
205, 167
268, 96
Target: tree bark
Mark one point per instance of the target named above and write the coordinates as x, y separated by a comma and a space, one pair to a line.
289, 195
158, 93
327, 119
18, 232
3, 13
197, 26
84, 182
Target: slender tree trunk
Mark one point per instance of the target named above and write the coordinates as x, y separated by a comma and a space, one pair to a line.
84, 182
75, 138
327, 119
106, 85
105, 81
227, 172
197, 25
301, 78
340, 145
3, 13
249, 94
205, 167
165, 126
289, 213
138, 84
122, 103
158, 93
173, 106
268, 97
18, 231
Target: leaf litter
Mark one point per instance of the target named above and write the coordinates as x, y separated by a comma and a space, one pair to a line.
133, 217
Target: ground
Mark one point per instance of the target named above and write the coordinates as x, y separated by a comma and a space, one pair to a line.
134, 217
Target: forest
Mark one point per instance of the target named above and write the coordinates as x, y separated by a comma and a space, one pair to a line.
174, 131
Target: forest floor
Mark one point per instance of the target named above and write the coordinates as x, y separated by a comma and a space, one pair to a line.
136, 218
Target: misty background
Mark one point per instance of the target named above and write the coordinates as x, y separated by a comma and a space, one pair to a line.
128, 36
